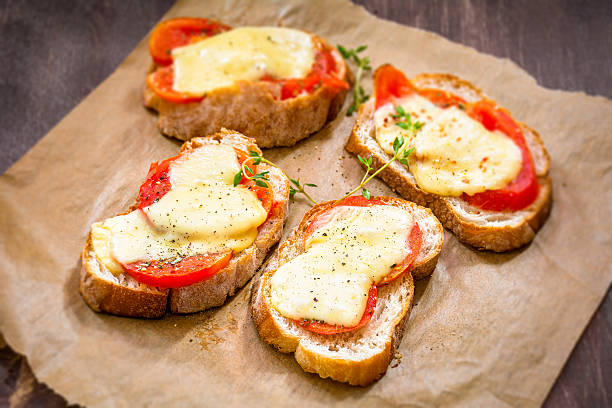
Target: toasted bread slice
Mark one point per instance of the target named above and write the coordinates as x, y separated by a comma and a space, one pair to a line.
250, 108
357, 357
491, 230
123, 295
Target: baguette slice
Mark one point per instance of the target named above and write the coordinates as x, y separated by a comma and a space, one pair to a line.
123, 295
358, 357
490, 230
250, 108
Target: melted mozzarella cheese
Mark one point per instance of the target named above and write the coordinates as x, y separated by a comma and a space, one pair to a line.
330, 281
202, 213
453, 153
242, 54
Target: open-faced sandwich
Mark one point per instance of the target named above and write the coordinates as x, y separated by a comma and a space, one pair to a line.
276, 85
195, 235
484, 175
339, 290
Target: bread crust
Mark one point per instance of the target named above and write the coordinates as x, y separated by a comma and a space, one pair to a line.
124, 296
482, 229
287, 336
249, 107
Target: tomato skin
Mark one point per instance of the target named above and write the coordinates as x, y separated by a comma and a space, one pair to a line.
161, 81
353, 201
524, 189
442, 99
157, 183
390, 83
188, 271
325, 328
177, 32
413, 240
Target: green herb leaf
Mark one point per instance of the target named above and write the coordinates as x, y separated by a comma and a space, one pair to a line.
343, 51
295, 182
397, 143
366, 193
237, 178
261, 183
292, 191
310, 185
403, 125
249, 170
361, 48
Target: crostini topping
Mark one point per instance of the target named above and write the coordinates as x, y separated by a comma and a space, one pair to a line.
349, 248
188, 207
220, 58
470, 150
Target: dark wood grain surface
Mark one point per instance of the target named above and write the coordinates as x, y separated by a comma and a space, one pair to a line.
52, 54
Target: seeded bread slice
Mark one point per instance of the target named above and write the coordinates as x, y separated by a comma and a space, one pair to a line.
490, 230
250, 108
361, 356
123, 295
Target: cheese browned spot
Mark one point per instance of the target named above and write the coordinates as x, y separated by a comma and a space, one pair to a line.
330, 281
202, 213
453, 153
246, 53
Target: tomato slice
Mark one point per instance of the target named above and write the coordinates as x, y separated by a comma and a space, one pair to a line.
442, 99
413, 241
176, 273
390, 83
322, 218
157, 183
319, 327
524, 189
161, 82
322, 73
178, 32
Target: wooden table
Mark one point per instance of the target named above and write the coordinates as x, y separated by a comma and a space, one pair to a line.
54, 53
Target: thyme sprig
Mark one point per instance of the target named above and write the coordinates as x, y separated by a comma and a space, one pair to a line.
262, 178
363, 64
400, 152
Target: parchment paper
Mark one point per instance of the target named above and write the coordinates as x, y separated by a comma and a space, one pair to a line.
486, 329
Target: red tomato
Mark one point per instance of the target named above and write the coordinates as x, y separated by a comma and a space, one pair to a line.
325, 328
157, 183
173, 274
390, 83
413, 241
442, 99
177, 32
524, 189
161, 82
